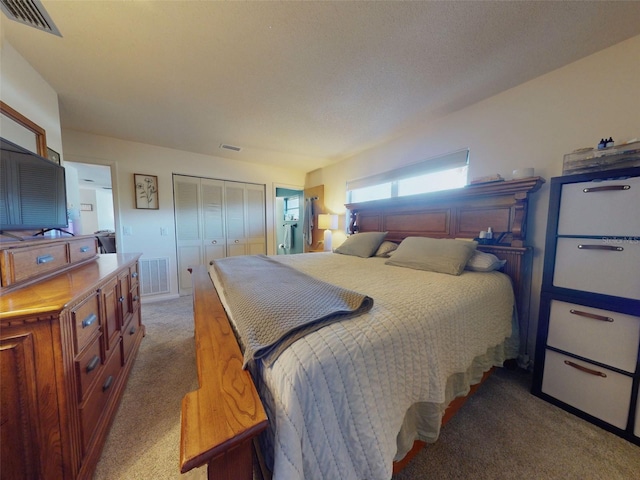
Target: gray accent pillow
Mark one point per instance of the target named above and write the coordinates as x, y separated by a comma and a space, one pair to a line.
361, 244
443, 255
484, 262
386, 249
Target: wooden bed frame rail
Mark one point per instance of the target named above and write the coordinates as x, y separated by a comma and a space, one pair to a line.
223, 416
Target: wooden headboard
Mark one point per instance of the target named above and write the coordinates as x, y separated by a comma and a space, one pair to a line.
459, 213
462, 213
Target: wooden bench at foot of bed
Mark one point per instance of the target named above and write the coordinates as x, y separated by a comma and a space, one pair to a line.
221, 418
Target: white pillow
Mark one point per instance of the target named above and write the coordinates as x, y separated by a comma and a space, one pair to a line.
484, 262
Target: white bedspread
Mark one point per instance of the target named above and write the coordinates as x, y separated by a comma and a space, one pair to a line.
337, 398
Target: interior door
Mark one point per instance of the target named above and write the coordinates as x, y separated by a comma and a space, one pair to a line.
186, 191
214, 238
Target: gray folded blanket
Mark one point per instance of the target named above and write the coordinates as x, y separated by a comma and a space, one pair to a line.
273, 305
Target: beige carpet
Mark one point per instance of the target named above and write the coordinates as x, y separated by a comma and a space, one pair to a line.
503, 432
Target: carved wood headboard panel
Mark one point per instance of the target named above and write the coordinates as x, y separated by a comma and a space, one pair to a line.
459, 213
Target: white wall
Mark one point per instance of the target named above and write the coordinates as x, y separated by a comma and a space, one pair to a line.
531, 125
24, 90
145, 226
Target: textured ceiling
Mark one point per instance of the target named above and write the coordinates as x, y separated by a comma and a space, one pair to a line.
299, 84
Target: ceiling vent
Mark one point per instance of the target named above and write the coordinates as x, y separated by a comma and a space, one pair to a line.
29, 12
230, 147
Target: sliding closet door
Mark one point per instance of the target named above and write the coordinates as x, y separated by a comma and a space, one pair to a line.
235, 204
216, 219
186, 193
245, 214
213, 219
255, 220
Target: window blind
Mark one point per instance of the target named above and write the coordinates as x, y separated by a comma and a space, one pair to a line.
457, 159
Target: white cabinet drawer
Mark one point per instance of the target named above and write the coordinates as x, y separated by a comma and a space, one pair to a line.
604, 394
598, 266
599, 210
636, 430
607, 337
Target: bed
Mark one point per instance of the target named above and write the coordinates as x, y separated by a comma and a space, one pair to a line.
356, 398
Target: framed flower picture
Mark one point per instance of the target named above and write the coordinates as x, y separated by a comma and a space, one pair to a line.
146, 191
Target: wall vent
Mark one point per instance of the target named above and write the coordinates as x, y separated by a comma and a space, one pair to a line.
230, 147
29, 12
154, 276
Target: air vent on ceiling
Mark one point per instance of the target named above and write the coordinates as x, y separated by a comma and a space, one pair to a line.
230, 147
29, 12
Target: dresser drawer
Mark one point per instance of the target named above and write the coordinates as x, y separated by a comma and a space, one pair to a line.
598, 266
88, 367
23, 264
93, 406
82, 249
86, 321
606, 337
130, 334
603, 394
605, 208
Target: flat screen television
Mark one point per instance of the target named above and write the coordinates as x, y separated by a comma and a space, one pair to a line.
33, 194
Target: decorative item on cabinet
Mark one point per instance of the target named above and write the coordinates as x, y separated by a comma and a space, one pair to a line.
587, 351
68, 338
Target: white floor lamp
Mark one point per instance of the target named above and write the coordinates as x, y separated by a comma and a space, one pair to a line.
327, 223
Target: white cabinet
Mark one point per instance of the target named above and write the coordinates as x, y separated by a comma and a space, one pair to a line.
587, 350
216, 219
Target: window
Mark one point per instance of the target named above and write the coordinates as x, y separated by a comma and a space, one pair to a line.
292, 208
439, 173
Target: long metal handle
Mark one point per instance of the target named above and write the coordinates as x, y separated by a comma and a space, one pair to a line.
610, 248
602, 318
606, 188
93, 363
89, 320
44, 259
107, 384
585, 369
84, 249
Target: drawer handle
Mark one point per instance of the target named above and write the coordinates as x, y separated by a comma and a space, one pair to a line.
44, 259
121, 299
585, 369
602, 318
106, 385
610, 248
211, 262
134, 275
93, 363
84, 249
132, 331
213, 242
136, 298
89, 320
607, 188
236, 241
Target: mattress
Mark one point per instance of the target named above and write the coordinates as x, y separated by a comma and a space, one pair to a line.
349, 399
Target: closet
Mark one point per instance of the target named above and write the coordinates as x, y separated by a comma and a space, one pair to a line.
216, 219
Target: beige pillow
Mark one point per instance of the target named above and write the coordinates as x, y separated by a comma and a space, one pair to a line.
361, 244
443, 255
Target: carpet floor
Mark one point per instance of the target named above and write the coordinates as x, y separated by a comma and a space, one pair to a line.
502, 432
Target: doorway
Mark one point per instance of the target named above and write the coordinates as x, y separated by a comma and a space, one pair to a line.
90, 202
289, 221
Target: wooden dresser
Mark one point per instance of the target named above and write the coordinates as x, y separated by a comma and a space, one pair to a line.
70, 328
588, 345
